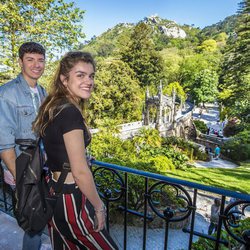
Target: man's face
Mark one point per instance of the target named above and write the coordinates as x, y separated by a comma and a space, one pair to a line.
32, 66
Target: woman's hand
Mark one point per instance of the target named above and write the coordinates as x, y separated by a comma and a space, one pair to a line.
100, 219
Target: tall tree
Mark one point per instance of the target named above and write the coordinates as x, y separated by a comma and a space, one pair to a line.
53, 23
193, 64
172, 60
117, 94
142, 57
205, 86
235, 77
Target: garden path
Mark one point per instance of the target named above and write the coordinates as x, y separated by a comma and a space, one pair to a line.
210, 117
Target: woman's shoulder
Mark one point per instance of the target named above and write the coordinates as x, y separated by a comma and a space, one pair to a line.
68, 109
67, 113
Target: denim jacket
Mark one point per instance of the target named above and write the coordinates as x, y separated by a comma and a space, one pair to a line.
17, 112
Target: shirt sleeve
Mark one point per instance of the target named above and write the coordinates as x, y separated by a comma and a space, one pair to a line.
70, 118
8, 124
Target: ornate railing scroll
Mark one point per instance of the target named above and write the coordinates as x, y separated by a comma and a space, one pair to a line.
110, 186
169, 201
233, 220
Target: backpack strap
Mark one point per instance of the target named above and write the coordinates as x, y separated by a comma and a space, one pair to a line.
26, 143
59, 185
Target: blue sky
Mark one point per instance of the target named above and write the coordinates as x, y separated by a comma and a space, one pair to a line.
101, 15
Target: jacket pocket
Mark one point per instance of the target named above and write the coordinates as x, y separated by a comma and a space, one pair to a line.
26, 115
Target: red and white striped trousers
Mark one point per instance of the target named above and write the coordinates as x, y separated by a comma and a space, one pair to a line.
72, 226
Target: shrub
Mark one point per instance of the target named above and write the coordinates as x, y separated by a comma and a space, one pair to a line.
187, 147
238, 148
162, 163
201, 126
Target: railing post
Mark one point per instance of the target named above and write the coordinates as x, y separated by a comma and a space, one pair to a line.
168, 214
192, 220
125, 211
166, 235
107, 214
145, 214
107, 195
217, 243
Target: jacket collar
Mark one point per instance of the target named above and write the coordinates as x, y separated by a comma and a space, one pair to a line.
23, 83
26, 88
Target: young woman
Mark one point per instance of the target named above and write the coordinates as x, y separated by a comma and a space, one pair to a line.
79, 216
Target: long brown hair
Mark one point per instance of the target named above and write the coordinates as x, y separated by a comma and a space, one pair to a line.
59, 94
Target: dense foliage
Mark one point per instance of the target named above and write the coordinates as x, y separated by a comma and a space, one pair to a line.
140, 54
117, 94
201, 126
148, 152
205, 86
238, 148
235, 75
53, 23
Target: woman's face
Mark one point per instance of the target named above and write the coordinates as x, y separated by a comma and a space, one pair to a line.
80, 82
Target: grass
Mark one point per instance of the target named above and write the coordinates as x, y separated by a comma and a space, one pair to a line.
237, 179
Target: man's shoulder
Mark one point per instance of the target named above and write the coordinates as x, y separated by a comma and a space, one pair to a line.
8, 87
10, 91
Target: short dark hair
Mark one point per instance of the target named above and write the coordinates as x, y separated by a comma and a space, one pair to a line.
31, 47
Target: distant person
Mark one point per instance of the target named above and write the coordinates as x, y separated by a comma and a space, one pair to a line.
217, 152
200, 112
214, 218
211, 131
207, 149
223, 124
216, 132
208, 130
220, 134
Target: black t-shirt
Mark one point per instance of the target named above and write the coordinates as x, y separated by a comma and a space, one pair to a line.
68, 119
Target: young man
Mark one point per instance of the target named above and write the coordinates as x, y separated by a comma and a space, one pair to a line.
19, 102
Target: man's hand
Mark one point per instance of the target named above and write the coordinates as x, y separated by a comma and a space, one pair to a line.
8, 156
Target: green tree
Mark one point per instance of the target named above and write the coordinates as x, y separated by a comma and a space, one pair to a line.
53, 23
193, 64
141, 56
117, 94
221, 39
209, 45
175, 86
172, 61
235, 77
205, 86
